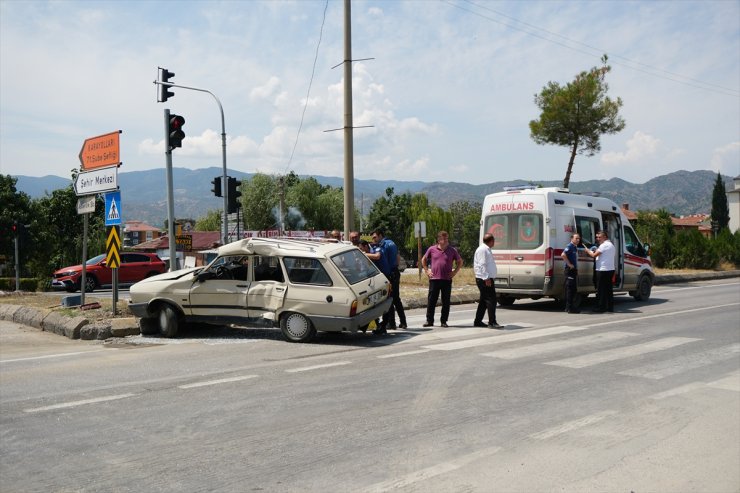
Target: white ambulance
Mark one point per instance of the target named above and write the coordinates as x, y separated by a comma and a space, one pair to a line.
533, 225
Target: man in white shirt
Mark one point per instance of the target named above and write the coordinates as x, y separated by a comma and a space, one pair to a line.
604, 265
484, 267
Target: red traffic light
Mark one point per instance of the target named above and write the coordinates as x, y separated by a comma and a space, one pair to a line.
176, 133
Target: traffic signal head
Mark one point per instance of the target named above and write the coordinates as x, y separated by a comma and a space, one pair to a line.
176, 133
216, 186
164, 89
234, 194
15, 228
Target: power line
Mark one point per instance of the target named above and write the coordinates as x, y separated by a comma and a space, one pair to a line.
310, 83
708, 86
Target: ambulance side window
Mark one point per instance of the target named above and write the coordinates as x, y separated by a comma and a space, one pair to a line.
587, 228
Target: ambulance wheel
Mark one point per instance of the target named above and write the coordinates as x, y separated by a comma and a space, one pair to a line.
644, 288
506, 300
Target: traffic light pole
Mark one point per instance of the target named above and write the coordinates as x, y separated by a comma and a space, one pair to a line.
170, 194
225, 225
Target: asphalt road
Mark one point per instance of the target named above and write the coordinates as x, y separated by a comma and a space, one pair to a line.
643, 400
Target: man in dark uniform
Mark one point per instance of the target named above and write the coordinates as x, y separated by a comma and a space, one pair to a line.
570, 259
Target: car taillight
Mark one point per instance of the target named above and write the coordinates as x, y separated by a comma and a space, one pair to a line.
353, 310
548, 262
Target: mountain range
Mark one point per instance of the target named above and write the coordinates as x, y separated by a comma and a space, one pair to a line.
144, 193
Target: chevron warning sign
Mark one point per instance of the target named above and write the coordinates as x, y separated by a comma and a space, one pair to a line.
113, 247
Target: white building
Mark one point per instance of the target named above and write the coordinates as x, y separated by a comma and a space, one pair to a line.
733, 203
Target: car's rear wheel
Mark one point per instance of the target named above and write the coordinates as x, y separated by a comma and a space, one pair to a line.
168, 321
644, 288
297, 327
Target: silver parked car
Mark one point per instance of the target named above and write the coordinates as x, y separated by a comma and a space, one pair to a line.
302, 286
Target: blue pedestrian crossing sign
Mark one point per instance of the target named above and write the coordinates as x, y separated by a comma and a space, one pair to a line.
113, 208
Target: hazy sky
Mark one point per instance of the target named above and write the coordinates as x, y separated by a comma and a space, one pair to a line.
449, 91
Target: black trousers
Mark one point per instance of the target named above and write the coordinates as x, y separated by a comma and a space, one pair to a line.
390, 316
437, 287
605, 290
571, 288
486, 302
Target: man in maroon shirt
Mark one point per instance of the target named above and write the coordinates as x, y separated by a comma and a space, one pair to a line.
442, 257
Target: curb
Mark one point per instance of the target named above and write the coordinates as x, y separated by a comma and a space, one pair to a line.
82, 328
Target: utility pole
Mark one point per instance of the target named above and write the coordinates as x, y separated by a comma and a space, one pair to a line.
170, 195
349, 178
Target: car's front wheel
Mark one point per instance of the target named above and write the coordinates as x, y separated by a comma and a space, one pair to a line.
90, 283
168, 321
297, 327
148, 326
644, 288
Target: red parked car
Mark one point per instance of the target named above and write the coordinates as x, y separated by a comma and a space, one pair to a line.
134, 267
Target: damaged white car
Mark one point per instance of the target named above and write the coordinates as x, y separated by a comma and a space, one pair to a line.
302, 286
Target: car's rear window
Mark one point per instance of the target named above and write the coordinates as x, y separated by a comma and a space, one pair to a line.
306, 271
355, 266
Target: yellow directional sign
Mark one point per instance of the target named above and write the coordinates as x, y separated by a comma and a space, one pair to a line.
113, 247
184, 242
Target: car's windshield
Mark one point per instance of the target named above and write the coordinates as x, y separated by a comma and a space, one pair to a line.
95, 260
354, 266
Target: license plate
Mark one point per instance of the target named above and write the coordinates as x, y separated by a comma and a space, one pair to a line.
375, 297
501, 281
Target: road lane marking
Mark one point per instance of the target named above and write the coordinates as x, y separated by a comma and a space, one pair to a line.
407, 353
317, 367
59, 355
730, 382
216, 382
431, 472
572, 425
504, 337
599, 357
688, 288
662, 369
683, 389
659, 315
78, 403
549, 347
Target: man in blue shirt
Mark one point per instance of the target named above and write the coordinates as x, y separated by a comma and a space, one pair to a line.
570, 259
386, 255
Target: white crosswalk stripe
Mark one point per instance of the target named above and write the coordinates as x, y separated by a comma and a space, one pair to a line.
621, 352
504, 337
674, 366
554, 346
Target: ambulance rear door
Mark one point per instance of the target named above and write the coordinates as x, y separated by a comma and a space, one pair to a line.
523, 234
496, 222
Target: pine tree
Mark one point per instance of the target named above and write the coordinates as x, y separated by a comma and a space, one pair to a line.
720, 210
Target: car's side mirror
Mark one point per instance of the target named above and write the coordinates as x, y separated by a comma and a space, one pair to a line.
205, 275
646, 246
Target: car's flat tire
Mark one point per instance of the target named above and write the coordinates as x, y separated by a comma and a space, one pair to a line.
168, 321
148, 326
297, 327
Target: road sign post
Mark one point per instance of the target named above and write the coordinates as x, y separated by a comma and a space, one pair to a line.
113, 257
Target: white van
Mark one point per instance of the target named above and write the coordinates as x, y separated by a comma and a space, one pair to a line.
533, 225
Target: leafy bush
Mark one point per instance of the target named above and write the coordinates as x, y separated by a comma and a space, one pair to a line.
692, 250
26, 283
727, 246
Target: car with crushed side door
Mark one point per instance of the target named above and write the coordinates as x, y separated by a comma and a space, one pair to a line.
302, 286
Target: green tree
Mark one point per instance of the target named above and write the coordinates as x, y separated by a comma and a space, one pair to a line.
303, 196
466, 226
331, 205
436, 219
577, 114
720, 210
58, 230
727, 246
210, 222
391, 213
260, 202
15, 206
656, 229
